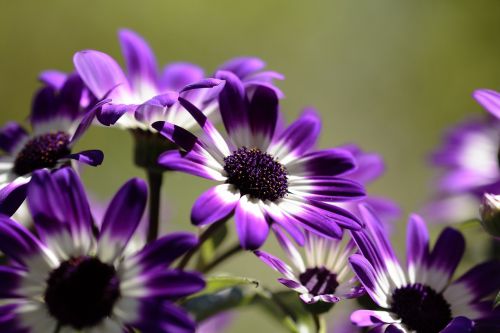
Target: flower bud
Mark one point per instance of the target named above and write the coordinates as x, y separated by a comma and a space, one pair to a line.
490, 214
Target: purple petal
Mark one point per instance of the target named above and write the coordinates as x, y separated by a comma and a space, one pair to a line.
214, 205
445, 257
298, 138
275, 263
370, 166
336, 214
155, 107
109, 114
233, 104
13, 195
417, 243
53, 78
17, 242
69, 97
173, 284
102, 74
140, 60
201, 84
328, 162
490, 100
160, 316
190, 163
327, 189
367, 275
90, 157
263, 115
251, 224
58, 204
44, 107
459, 325
164, 250
122, 218
243, 66
87, 120
178, 135
177, 75
176, 320
11, 135
478, 283
11, 283
369, 318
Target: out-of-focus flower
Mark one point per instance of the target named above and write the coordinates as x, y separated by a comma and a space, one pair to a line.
421, 298
490, 214
145, 94
469, 162
58, 121
266, 175
370, 167
75, 278
322, 273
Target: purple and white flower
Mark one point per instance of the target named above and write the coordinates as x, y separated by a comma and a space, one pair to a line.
58, 121
421, 298
469, 162
74, 277
266, 174
320, 271
145, 95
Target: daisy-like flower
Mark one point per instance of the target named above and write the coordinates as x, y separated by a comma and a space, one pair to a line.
320, 272
421, 298
469, 163
266, 174
145, 94
73, 277
58, 121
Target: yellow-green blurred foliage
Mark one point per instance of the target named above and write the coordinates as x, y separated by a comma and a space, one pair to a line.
387, 74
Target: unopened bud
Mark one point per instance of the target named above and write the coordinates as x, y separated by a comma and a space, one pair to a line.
490, 214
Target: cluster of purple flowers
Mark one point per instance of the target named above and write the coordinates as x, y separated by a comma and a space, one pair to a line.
77, 269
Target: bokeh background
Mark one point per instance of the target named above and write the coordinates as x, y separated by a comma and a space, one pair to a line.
389, 75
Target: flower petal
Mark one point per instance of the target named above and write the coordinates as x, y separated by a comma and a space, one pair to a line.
121, 219
215, 204
490, 100
251, 224
263, 115
368, 277
417, 244
12, 135
90, 157
327, 188
177, 75
328, 162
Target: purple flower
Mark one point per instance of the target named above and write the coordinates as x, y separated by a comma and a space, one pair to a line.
421, 298
469, 163
216, 324
266, 174
58, 121
74, 277
322, 273
145, 95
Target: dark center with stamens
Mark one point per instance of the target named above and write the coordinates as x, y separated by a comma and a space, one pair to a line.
257, 174
81, 292
42, 152
319, 281
421, 308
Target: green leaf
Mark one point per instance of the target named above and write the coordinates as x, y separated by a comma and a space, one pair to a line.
497, 300
220, 282
210, 246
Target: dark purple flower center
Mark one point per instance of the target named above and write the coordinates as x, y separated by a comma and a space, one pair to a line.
42, 152
257, 174
421, 308
319, 281
81, 292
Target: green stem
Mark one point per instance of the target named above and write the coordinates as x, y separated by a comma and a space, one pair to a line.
223, 257
201, 240
155, 179
320, 323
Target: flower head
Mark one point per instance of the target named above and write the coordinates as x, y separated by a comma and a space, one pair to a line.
145, 94
58, 121
74, 277
267, 174
490, 214
322, 273
421, 298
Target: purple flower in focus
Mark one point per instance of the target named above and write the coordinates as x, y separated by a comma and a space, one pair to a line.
421, 298
266, 174
58, 121
145, 94
322, 273
74, 277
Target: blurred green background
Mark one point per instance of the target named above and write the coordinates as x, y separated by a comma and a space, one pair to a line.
387, 74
